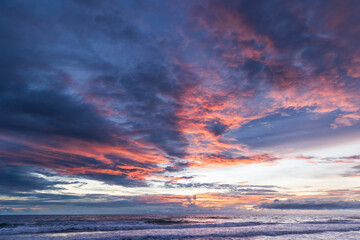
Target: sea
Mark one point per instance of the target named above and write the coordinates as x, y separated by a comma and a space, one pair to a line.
247, 226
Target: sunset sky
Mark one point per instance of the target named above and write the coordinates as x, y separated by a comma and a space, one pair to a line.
179, 106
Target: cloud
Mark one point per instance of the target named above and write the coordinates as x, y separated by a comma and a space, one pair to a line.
128, 94
7, 211
110, 169
22, 179
346, 120
181, 204
217, 128
310, 205
355, 172
75, 105
240, 189
47, 113
178, 166
277, 46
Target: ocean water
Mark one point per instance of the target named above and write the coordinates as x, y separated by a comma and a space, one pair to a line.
252, 227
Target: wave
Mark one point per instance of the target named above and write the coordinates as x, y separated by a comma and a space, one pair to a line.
235, 235
331, 222
149, 224
9, 225
170, 227
198, 234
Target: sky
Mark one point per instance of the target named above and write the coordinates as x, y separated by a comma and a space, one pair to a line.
179, 106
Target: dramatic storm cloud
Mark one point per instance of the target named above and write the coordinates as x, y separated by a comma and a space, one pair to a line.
196, 106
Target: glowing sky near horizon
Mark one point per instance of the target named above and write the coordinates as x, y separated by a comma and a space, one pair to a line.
179, 106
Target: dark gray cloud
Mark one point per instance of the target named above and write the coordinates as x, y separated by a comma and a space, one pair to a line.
354, 172
217, 128
148, 97
65, 65
237, 189
35, 100
300, 29
23, 179
47, 113
281, 25
177, 166
40, 70
311, 205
